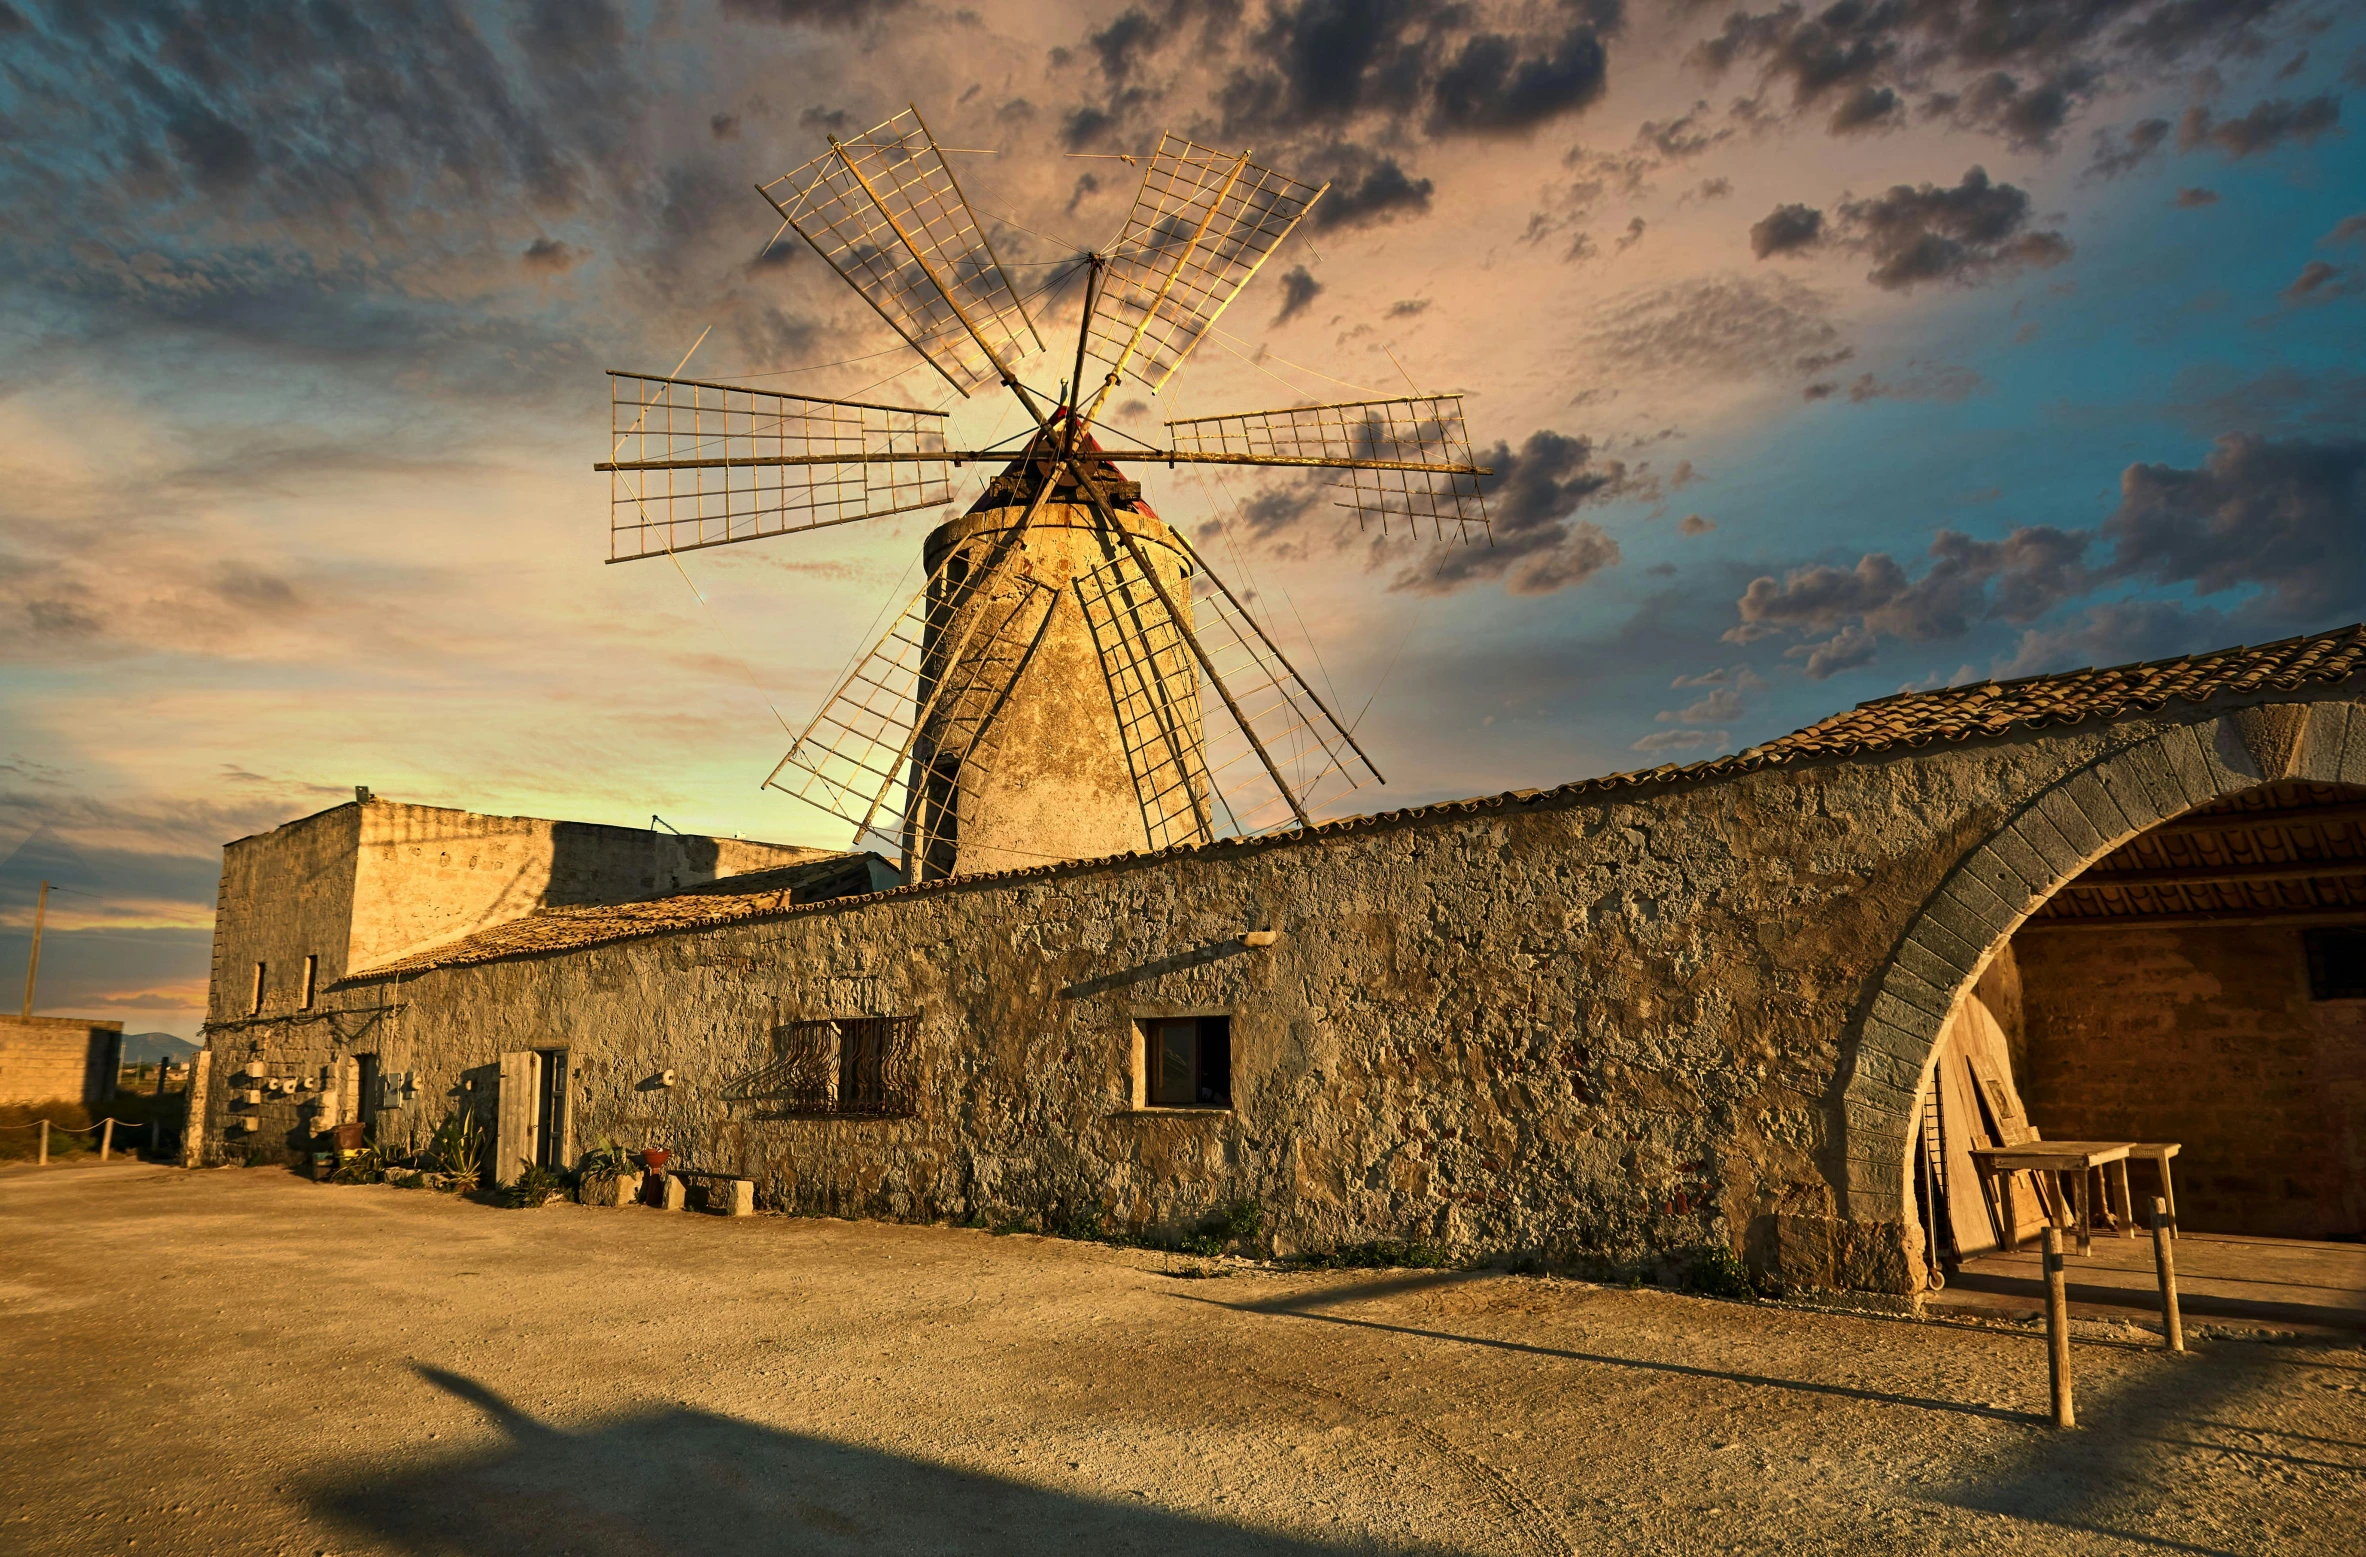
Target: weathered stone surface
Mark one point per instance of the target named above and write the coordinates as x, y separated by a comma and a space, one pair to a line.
1607, 1028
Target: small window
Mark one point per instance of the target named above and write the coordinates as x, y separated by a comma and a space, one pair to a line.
2336, 964
311, 980
1187, 1061
255, 1006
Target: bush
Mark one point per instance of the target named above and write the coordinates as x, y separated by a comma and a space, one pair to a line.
1380, 1254
1719, 1272
361, 1167
530, 1189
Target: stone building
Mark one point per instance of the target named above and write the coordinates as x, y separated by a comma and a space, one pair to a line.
1608, 1024
45, 1059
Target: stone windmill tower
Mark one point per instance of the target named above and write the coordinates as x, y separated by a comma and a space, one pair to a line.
1050, 691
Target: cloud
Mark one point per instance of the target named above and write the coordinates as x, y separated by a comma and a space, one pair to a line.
2114, 156
1333, 62
2273, 522
811, 13
2317, 282
2016, 579
1680, 740
1851, 647
1299, 290
1785, 229
2018, 72
1696, 524
1963, 234
2267, 126
1365, 190
1720, 705
1868, 108
1917, 234
1942, 382
549, 257
1719, 327
2195, 199
2281, 516
2350, 229
1540, 545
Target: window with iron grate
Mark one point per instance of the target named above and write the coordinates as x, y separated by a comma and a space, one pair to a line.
858, 1065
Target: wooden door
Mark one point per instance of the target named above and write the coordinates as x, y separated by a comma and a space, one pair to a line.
513, 1116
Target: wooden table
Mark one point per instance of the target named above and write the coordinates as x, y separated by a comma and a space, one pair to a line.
2080, 1157
2159, 1153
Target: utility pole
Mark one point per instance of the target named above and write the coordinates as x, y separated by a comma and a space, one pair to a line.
33, 966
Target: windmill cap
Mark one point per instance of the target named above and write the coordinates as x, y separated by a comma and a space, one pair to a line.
1020, 479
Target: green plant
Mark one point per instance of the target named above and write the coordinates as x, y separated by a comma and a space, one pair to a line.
1719, 1272
1381, 1254
361, 1167
1243, 1220
606, 1158
459, 1145
532, 1188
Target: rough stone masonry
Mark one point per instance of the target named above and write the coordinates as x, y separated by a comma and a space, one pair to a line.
1609, 1025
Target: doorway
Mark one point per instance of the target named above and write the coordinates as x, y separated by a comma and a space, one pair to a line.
550, 1110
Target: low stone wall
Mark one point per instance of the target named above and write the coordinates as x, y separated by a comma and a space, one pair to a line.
58, 1057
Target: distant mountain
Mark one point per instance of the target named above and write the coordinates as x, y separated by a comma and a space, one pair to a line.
148, 1048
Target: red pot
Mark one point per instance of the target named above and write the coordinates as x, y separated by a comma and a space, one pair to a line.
655, 1159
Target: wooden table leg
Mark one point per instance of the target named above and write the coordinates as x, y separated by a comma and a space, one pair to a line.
2168, 1193
2085, 1214
2012, 1218
2119, 1174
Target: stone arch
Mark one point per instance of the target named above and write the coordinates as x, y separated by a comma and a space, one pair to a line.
2057, 834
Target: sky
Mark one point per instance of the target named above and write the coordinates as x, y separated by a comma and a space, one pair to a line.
1820, 353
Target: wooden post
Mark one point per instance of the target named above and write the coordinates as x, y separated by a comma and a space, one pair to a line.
43, 1160
2058, 1331
106, 1137
2164, 1264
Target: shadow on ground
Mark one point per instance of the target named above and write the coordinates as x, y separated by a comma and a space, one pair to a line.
688, 1481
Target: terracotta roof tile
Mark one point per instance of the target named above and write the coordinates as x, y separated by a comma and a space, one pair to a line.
1913, 719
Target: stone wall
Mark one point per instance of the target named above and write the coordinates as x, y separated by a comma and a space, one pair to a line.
58, 1058
2207, 1038
366, 883
1610, 1026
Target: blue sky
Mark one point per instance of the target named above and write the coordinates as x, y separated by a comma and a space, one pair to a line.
306, 312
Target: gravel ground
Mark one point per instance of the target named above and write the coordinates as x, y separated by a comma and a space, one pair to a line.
239, 1361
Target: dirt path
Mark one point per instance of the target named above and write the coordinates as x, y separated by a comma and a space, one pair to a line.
238, 1361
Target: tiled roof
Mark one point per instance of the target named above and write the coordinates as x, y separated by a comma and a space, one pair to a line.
2074, 696
1968, 712
757, 894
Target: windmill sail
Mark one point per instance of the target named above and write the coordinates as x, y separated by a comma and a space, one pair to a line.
1285, 756
700, 464
1202, 223
1401, 462
1154, 694
887, 214
923, 700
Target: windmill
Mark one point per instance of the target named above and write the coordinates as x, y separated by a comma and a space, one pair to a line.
1048, 692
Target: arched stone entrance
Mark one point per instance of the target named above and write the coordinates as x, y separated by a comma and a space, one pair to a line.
1993, 889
